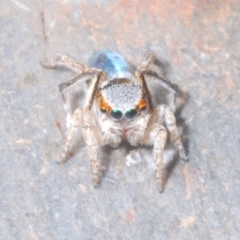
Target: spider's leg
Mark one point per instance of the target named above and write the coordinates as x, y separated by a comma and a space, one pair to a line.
170, 122
76, 122
147, 78
140, 77
148, 59
163, 82
153, 82
73, 121
92, 135
93, 139
158, 151
67, 62
143, 70
156, 135
65, 86
84, 117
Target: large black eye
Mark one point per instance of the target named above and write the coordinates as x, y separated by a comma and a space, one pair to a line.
131, 113
116, 114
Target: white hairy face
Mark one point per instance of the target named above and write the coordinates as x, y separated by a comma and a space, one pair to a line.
122, 99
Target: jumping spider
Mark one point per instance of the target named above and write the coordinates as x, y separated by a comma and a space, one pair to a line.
118, 104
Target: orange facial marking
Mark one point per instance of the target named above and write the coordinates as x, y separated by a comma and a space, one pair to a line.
103, 105
142, 104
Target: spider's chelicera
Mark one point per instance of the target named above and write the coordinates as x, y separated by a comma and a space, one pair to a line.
118, 103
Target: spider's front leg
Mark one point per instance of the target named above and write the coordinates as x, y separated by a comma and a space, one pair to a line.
75, 123
93, 138
170, 122
158, 153
156, 134
83, 118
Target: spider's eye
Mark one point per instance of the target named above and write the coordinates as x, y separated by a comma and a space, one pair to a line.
131, 113
103, 110
116, 114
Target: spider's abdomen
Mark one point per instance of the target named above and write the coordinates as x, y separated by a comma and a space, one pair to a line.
113, 64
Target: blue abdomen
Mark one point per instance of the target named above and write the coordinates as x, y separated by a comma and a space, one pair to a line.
113, 64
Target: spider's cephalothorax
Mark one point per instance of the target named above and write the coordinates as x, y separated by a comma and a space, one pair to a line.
121, 96
116, 103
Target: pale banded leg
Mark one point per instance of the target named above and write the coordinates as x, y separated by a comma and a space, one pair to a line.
90, 133
154, 81
156, 135
148, 78
76, 121
144, 70
93, 157
158, 153
148, 59
65, 86
92, 136
163, 82
70, 63
67, 62
84, 74
170, 122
